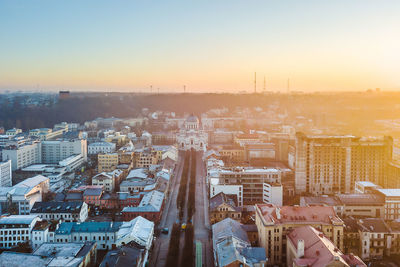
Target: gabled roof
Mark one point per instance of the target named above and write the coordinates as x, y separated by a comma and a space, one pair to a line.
373, 225
221, 198
231, 244
319, 251
139, 230
151, 202
228, 227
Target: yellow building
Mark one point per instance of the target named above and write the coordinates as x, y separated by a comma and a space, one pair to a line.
146, 158
107, 162
275, 223
232, 154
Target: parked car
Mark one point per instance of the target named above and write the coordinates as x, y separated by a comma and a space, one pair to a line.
165, 230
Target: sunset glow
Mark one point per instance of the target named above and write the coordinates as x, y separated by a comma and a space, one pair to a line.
209, 46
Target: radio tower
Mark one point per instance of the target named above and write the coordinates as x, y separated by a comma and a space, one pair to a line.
288, 86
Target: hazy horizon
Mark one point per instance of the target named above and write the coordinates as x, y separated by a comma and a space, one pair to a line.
208, 46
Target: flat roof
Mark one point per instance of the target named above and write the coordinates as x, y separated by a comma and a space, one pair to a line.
18, 219
390, 192
366, 183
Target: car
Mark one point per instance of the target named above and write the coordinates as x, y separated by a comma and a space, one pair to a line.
183, 226
165, 230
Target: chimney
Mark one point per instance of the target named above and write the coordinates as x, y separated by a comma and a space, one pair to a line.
278, 213
300, 248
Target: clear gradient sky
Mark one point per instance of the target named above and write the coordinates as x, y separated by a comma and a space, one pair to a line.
214, 45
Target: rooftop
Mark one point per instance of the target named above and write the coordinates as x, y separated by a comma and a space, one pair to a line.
319, 250
390, 192
123, 256
151, 202
272, 214
32, 182
57, 207
86, 227
18, 219
373, 225
137, 173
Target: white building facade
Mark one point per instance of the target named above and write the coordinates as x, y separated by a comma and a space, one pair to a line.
58, 150
25, 155
192, 136
16, 229
101, 147
5, 173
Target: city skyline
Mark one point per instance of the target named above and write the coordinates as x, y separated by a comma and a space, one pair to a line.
208, 46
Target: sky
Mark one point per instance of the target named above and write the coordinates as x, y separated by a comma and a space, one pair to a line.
207, 45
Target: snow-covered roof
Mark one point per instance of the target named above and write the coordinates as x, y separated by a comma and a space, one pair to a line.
139, 230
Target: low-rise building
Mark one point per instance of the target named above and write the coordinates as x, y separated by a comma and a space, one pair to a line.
101, 148
52, 254
107, 234
392, 202
124, 256
374, 238
20, 198
109, 180
150, 207
107, 162
232, 247
224, 206
274, 223
16, 229
355, 205
66, 211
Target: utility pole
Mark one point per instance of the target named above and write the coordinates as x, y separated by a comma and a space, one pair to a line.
184, 89
288, 86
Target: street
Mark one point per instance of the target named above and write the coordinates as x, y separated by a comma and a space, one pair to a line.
169, 217
201, 218
202, 226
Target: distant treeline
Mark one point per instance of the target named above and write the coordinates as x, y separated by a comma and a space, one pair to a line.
363, 107
87, 107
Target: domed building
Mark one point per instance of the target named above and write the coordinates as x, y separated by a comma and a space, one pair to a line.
191, 135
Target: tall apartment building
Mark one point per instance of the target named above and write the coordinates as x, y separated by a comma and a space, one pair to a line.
24, 155
5, 173
55, 151
332, 164
275, 223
